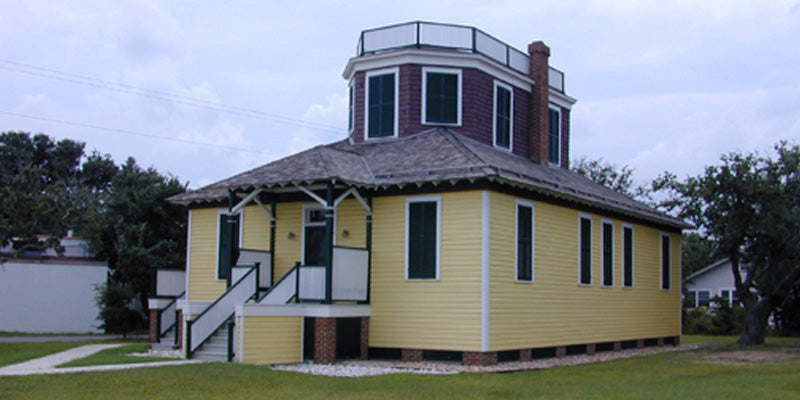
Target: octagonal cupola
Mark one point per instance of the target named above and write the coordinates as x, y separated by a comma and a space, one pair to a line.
411, 77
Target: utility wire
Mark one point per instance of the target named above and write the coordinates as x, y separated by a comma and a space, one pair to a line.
160, 95
134, 133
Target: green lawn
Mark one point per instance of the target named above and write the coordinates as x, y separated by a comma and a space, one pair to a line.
684, 375
116, 356
12, 353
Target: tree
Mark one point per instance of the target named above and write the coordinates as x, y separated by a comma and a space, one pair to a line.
135, 231
609, 175
697, 252
749, 206
37, 177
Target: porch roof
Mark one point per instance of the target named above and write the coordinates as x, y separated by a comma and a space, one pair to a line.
433, 156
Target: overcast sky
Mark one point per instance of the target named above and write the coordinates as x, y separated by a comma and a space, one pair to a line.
660, 85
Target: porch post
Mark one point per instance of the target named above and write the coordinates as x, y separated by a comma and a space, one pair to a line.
272, 224
232, 231
328, 245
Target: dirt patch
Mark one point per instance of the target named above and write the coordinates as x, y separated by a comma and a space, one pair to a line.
747, 357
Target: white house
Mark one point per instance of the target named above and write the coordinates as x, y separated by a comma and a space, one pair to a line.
711, 281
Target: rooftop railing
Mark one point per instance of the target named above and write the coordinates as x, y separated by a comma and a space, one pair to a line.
447, 36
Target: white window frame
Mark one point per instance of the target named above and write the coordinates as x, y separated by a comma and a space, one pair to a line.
305, 223
459, 99
633, 256
730, 290
511, 115
661, 261
560, 134
591, 233
378, 72
604, 222
517, 204
697, 296
351, 105
425, 199
221, 212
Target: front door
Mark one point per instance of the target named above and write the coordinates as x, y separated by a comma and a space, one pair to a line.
313, 236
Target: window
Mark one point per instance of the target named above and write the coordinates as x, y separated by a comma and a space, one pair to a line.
554, 135
503, 112
381, 115
585, 251
422, 238
703, 298
350, 107
524, 242
691, 299
608, 254
441, 98
665, 262
228, 244
730, 296
627, 256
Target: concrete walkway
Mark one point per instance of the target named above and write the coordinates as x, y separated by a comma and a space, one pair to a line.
47, 365
70, 338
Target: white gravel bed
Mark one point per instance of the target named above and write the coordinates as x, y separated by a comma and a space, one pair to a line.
159, 354
351, 369
355, 369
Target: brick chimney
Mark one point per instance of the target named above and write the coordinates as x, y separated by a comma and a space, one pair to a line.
540, 94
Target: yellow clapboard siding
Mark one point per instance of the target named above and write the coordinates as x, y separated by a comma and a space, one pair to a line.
555, 309
255, 229
443, 314
350, 216
287, 251
203, 283
272, 340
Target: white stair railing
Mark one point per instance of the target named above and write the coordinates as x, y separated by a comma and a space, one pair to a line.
204, 325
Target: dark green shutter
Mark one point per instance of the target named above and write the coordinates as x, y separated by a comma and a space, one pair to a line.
441, 98
586, 251
503, 118
608, 261
554, 130
665, 262
524, 243
627, 256
422, 240
381, 105
228, 245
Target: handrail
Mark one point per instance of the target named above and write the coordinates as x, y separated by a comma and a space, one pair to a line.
191, 347
171, 303
283, 278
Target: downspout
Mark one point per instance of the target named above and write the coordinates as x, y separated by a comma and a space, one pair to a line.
369, 248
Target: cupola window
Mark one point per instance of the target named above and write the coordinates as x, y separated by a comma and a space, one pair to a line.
441, 96
382, 104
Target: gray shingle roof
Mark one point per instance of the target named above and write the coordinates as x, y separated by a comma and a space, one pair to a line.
433, 156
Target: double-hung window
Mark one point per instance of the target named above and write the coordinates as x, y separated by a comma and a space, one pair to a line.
554, 136
381, 115
627, 256
665, 262
441, 96
608, 254
503, 115
524, 243
585, 248
423, 230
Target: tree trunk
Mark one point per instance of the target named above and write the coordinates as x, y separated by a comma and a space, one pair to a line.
755, 324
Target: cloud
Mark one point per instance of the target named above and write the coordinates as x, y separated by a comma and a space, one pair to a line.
681, 132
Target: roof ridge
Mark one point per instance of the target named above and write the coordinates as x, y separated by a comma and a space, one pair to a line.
456, 139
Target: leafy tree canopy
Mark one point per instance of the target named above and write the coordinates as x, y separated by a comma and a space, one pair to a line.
619, 179
749, 206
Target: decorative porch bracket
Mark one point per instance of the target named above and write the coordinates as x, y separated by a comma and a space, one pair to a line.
351, 191
246, 201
